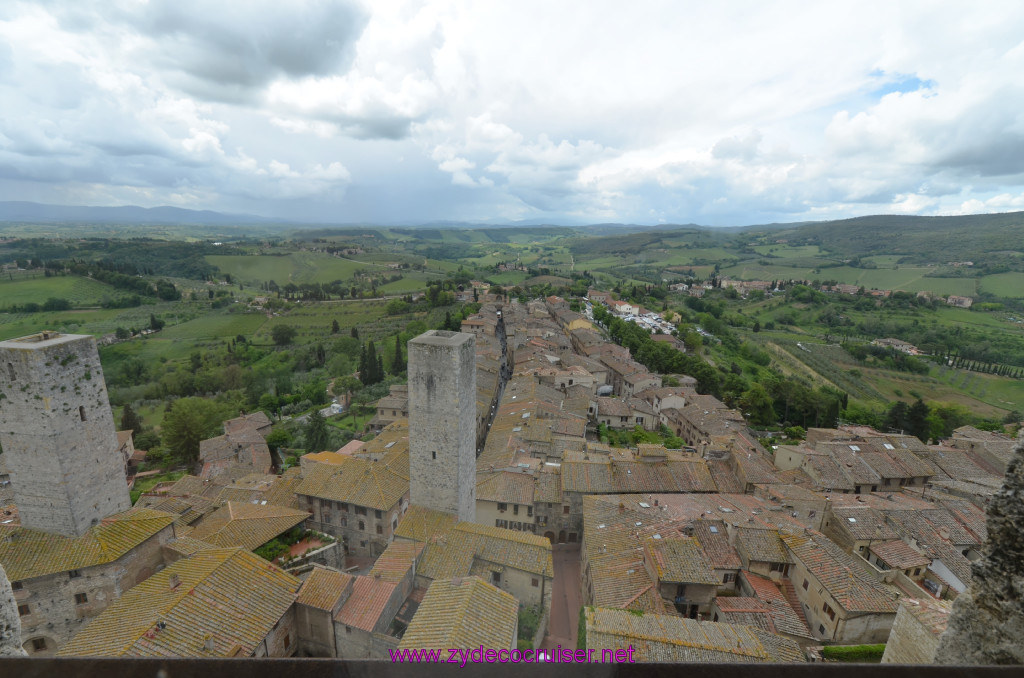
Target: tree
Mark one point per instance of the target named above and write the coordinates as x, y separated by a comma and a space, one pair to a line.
282, 334
190, 421
398, 362
316, 432
130, 420
278, 438
155, 323
354, 333
335, 328
122, 333
917, 419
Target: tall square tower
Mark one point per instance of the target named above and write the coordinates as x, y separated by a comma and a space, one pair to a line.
442, 422
58, 433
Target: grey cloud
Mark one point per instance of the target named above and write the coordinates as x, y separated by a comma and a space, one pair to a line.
735, 147
1000, 154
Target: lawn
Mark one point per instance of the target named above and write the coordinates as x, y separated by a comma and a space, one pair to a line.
1004, 284
297, 267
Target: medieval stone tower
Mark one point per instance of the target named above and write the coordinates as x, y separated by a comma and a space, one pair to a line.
442, 422
58, 433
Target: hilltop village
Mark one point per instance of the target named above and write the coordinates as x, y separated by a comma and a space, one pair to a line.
486, 512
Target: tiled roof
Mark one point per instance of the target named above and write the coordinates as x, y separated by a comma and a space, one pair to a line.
785, 618
394, 563
246, 525
760, 545
661, 638
548, 487
229, 596
863, 523
899, 554
842, 578
604, 476
826, 473
464, 613
680, 560
452, 554
364, 607
716, 544
505, 487
356, 480
26, 553
323, 588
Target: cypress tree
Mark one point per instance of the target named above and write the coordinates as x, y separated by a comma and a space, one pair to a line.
398, 363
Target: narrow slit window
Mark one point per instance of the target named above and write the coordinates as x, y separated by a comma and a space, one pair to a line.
10, 370
81, 412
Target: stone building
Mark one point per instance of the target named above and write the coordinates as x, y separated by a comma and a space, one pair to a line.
58, 433
442, 414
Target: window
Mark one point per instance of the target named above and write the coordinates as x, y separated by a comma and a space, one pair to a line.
515, 509
344, 507
360, 510
502, 507
38, 644
728, 577
828, 610
17, 585
433, 455
348, 629
805, 584
821, 629
81, 413
534, 582
529, 511
496, 577
362, 525
917, 571
10, 371
23, 610
394, 524
380, 530
778, 567
378, 515
74, 574
565, 510
81, 599
287, 640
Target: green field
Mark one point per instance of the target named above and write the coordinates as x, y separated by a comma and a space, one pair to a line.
1004, 284
789, 252
297, 267
79, 291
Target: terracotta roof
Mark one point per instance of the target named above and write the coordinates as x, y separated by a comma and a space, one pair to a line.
356, 480
366, 604
661, 638
785, 617
680, 560
851, 587
397, 559
506, 487
229, 596
454, 553
246, 525
899, 554
465, 613
323, 588
27, 553
420, 523
715, 543
761, 545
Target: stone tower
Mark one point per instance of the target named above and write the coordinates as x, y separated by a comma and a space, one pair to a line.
987, 622
58, 433
442, 422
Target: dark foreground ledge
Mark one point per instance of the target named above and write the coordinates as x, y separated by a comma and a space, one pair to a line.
333, 668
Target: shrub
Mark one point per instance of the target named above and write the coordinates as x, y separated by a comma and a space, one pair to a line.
853, 653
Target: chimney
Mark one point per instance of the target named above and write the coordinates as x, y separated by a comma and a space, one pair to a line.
174, 582
208, 643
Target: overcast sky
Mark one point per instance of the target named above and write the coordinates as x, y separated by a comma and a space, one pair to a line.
716, 113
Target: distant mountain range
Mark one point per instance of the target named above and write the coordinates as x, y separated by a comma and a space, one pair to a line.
37, 213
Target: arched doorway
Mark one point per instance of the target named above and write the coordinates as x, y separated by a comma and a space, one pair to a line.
550, 536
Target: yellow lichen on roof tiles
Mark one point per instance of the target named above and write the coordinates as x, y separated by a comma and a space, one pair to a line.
26, 553
357, 480
246, 525
463, 613
323, 588
397, 559
230, 596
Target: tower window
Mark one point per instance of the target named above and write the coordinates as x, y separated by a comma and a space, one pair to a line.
81, 412
39, 644
81, 599
10, 371
433, 455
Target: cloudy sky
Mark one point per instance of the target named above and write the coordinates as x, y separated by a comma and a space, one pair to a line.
564, 112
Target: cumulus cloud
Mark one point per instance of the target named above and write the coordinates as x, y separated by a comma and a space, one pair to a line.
715, 113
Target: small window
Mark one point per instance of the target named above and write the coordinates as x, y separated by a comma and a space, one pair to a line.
496, 577
805, 584
360, 510
728, 577
81, 412
534, 582
348, 629
10, 371
380, 530
565, 510
529, 511
75, 574
23, 610
378, 515
287, 640
917, 571
515, 509
81, 599
38, 644
433, 455
821, 629
362, 525
17, 585
502, 507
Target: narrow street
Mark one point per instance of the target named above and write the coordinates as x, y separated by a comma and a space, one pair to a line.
566, 598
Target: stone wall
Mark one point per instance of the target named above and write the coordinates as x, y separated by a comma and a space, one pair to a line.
10, 622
